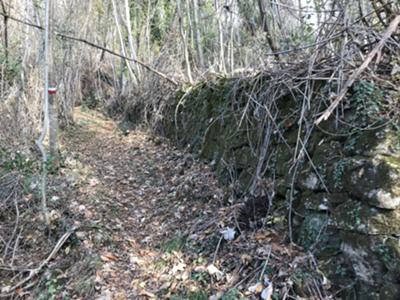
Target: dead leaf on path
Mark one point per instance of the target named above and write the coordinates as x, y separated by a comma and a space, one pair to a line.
267, 292
120, 296
165, 286
178, 268
135, 260
148, 294
19, 291
261, 236
108, 257
246, 259
256, 288
93, 182
213, 270
217, 296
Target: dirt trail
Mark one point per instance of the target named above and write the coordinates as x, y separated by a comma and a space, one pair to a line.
146, 201
154, 224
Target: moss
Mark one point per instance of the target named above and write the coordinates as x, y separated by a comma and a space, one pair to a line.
392, 161
389, 291
175, 244
354, 216
283, 158
312, 230
389, 252
323, 201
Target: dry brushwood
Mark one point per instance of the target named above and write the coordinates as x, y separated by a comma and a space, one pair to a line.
32, 273
375, 52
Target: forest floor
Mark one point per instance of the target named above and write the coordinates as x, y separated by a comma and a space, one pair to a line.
151, 223
147, 201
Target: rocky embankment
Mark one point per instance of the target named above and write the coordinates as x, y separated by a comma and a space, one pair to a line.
340, 178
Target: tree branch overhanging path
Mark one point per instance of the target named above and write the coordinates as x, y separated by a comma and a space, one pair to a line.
91, 44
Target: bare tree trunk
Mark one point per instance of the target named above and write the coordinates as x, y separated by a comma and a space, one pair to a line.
221, 61
121, 40
267, 30
190, 25
130, 39
5, 36
5, 30
184, 41
45, 125
53, 117
147, 30
231, 47
197, 34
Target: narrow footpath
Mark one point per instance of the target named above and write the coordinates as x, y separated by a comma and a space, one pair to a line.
155, 221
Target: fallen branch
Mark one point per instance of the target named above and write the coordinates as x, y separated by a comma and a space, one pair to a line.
33, 272
389, 31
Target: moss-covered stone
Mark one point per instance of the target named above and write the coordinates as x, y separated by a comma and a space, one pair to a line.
283, 160
354, 216
312, 229
327, 153
324, 201
358, 250
389, 291
347, 201
389, 252
373, 181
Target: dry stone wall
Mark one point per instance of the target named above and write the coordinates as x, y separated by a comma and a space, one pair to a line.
346, 190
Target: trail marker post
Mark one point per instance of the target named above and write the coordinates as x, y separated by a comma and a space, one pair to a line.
52, 88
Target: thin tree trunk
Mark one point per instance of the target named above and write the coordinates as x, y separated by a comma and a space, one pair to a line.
121, 40
5, 30
197, 34
231, 46
130, 39
221, 62
267, 30
147, 31
190, 25
45, 125
184, 41
53, 117
5, 35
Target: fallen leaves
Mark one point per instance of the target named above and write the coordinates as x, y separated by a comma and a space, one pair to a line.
148, 294
108, 257
159, 223
214, 271
267, 293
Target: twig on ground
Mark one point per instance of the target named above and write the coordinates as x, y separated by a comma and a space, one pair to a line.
33, 272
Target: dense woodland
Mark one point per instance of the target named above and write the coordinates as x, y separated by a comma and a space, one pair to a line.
199, 149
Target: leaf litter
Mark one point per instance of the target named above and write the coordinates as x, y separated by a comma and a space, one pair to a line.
153, 225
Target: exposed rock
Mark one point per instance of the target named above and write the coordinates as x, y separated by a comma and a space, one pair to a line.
346, 206
354, 216
318, 235
383, 199
389, 291
358, 249
373, 181
324, 201
310, 182
389, 251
